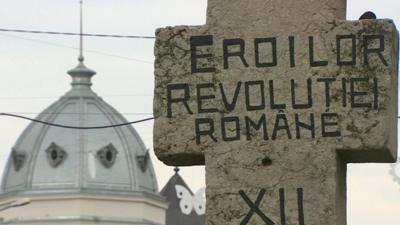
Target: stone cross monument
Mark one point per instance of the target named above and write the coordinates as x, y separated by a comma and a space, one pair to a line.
275, 97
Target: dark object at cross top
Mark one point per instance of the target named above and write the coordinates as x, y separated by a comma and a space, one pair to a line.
368, 16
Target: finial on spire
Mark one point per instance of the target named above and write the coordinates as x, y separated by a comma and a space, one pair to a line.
81, 75
176, 169
81, 58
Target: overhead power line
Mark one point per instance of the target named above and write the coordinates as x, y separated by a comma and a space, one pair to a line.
56, 97
70, 47
76, 34
76, 127
73, 113
81, 128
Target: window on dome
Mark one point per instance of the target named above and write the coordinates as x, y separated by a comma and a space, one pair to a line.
107, 155
18, 159
143, 160
55, 155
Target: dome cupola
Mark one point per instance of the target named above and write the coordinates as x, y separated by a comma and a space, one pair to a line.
80, 162
56, 158
48, 157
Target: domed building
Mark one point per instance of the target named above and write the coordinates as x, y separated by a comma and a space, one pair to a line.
81, 162
81, 176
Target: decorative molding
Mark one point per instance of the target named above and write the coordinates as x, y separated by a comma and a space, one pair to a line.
107, 155
83, 218
150, 198
18, 159
143, 160
55, 155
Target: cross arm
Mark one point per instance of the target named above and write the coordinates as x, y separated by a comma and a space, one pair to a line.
371, 135
173, 91
214, 88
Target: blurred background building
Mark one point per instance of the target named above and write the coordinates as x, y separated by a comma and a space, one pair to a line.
89, 176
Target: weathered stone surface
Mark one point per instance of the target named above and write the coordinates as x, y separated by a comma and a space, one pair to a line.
300, 164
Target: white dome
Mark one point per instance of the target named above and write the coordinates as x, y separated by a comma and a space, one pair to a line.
47, 158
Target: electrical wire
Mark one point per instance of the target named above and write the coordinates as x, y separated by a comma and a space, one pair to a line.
76, 127
72, 113
76, 34
70, 47
56, 97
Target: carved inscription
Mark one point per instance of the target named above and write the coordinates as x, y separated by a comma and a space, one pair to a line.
255, 207
355, 90
276, 94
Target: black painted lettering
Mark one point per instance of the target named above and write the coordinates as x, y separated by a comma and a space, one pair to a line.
300, 205
282, 205
314, 63
344, 92
279, 126
234, 42
309, 95
255, 208
199, 124
197, 41
225, 130
249, 96
330, 120
230, 106
354, 93
327, 82
261, 123
291, 50
272, 97
272, 42
310, 126
339, 59
367, 51
376, 90
184, 99
201, 97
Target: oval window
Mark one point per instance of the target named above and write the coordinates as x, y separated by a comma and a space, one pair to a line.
54, 154
109, 156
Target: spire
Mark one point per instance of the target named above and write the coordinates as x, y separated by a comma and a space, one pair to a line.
81, 58
81, 75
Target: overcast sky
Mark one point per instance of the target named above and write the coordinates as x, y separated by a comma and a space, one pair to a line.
33, 75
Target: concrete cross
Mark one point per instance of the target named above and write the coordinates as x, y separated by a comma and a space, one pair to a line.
275, 98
